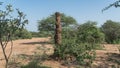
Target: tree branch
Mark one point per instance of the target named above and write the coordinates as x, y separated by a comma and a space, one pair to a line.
115, 4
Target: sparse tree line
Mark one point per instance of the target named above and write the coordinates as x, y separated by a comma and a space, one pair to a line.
79, 41
109, 31
46, 27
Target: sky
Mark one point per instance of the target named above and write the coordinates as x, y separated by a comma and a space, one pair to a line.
81, 10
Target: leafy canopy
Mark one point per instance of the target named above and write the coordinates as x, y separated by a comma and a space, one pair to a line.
9, 24
78, 43
111, 30
48, 24
90, 33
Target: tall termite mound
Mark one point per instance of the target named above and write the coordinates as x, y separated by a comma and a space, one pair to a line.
58, 29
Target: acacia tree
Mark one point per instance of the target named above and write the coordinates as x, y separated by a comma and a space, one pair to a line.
90, 33
8, 26
47, 25
111, 30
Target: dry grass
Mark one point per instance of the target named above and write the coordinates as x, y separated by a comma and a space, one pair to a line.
27, 50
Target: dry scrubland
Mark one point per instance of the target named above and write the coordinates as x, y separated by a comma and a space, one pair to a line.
27, 50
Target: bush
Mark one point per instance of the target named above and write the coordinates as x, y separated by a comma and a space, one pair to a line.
35, 34
22, 34
111, 30
79, 44
90, 33
46, 34
33, 64
73, 52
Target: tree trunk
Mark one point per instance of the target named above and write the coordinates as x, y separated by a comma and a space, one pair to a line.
58, 29
5, 55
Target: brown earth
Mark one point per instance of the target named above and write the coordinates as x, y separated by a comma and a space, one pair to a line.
105, 58
109, 57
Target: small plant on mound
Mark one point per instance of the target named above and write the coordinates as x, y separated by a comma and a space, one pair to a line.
80, 53
78, 44
71, 51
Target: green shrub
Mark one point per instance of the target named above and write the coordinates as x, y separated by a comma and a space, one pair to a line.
22, 34
35, 34
78, 52
111, 30
89, 32
33, 64
46, 34
78, 44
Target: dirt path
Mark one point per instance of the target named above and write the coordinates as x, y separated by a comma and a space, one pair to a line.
104, 58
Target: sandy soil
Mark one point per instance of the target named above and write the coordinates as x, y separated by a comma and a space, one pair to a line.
107, 57
28, 47
25, 46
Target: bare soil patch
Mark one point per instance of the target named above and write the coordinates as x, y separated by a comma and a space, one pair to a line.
26, 48
109, 57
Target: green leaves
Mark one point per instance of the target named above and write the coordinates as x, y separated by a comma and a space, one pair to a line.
111, 30
9, 24
8, 27
78, 43
89, 32
9, 8
48, 24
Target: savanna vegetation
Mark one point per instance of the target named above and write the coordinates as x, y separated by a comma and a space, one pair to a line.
78, 44
79, 41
